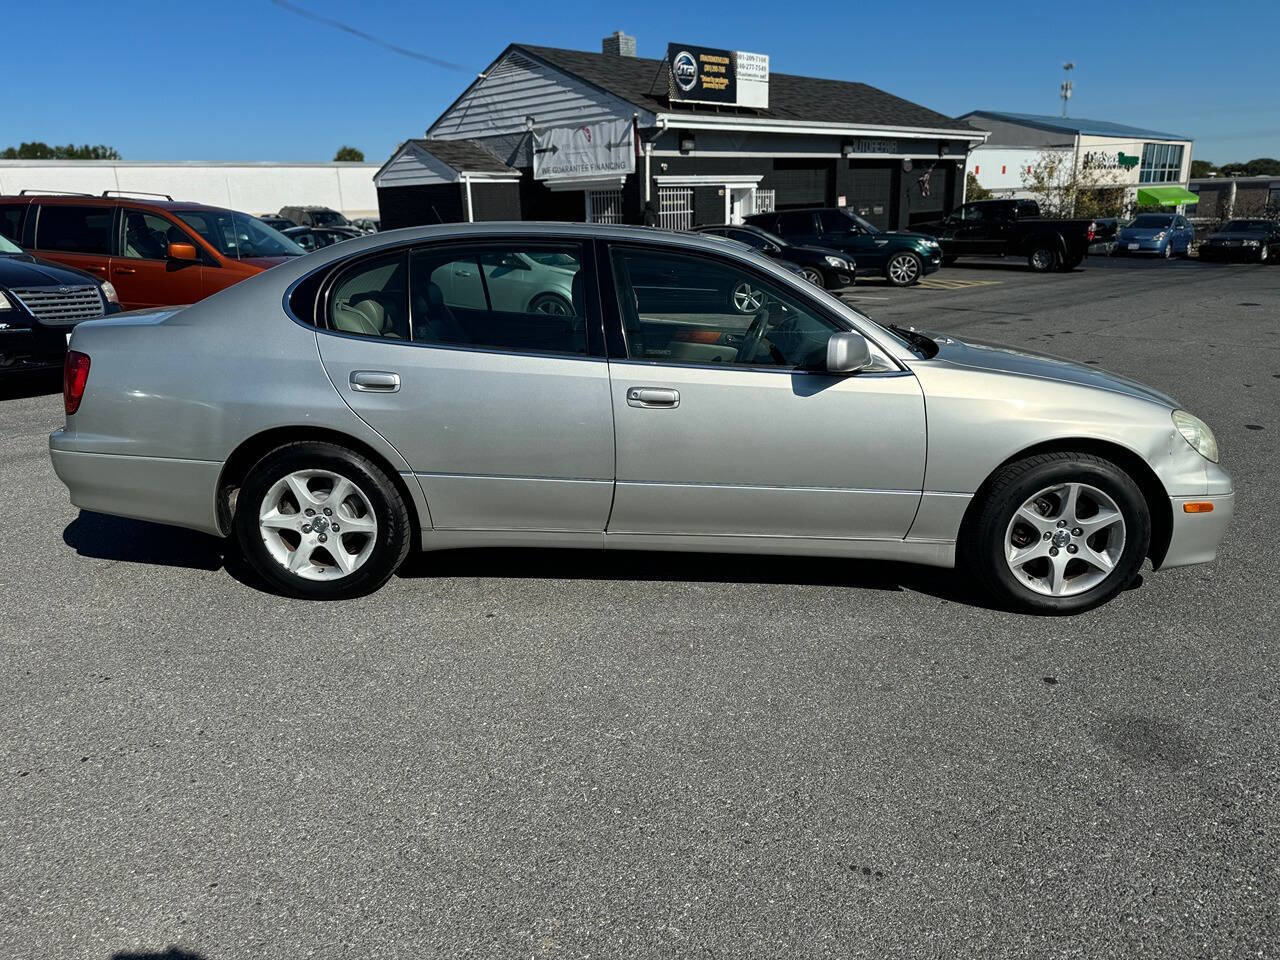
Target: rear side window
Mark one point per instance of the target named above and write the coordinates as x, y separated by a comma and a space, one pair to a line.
797, 223
371, 299
525, 299
74, 229
11, 221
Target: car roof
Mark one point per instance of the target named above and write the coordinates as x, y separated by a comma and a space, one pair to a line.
86, 200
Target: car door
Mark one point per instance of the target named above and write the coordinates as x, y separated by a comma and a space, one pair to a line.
843, 233
967, 232
1184, 233
77, 236
503, 416
143, 274
800, 227
728, 426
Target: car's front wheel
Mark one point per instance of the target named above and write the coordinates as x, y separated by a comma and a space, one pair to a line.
1057, 533
322, 522
903, 269
813, 275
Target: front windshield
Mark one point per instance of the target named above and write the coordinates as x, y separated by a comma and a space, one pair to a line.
1247, 226
328, 218
863, 224
238, 235
1148, 220
7, 246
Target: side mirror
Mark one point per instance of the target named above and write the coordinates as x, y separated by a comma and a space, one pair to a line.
847, 353
182, 251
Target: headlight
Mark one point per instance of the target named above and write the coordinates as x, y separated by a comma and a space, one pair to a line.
4, 302
109, 292
1159, 236
837, 263
1251, 243
1197, 433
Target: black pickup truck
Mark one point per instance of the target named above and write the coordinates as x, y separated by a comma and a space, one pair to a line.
1013, 228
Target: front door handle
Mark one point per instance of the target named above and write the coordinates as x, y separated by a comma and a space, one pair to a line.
653, 397
125, 270
375, 381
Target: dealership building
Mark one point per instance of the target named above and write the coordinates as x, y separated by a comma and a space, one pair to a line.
1153, 167
702, 136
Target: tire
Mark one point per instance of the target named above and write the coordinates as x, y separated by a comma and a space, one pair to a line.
999, 526
1168, 250
1262, 254
1042, 258
903, 269
814, 276
552, 304
271, 540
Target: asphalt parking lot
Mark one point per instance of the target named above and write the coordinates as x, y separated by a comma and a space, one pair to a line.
545, 754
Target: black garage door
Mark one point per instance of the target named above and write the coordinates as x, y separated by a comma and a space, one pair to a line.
871, 196
801, 183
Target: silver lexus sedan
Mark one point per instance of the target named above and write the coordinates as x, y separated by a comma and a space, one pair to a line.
411, 389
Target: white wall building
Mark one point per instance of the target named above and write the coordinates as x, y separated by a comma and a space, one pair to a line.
250, 187
1130, 157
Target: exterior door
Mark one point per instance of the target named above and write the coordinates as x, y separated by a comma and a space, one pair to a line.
142, 272
727, 424
77, 236
503, 415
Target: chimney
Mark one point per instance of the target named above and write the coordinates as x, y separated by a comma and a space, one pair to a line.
618, 44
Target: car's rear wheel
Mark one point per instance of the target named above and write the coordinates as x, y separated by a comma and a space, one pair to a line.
814, 276
1057, 533
552, 304
322, 522
1042, 258
903, 269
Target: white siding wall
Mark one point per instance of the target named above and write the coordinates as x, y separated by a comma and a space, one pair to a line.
1000, 168
251, 187
415, 167
517, 87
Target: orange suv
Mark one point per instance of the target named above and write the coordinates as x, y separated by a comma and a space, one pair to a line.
157, 253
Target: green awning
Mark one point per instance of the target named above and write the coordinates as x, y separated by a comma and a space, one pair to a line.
1166, 196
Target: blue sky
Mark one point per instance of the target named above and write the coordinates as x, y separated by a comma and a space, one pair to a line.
248, 80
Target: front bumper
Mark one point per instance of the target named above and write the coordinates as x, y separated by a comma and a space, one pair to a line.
931, 260
835, 279
1219, 251
1196, 536
178, 492
1142, 246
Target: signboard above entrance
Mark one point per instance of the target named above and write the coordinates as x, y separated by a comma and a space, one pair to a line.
605, 149
728, 77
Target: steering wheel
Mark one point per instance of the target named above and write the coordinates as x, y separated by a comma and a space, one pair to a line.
751, 339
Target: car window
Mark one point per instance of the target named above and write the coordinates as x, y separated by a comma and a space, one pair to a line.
749, 238
238, 235
835, 222
371, 299
795, 222
678, 308
147, 236
971, 214
74, 229
523, 299
11, 220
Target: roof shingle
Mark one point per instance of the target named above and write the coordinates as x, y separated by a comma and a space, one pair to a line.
465, 156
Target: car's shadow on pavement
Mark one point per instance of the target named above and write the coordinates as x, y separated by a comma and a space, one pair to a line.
105, 537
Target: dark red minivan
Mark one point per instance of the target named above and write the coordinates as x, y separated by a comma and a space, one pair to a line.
157, 253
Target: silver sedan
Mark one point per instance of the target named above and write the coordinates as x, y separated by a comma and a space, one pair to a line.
411, 389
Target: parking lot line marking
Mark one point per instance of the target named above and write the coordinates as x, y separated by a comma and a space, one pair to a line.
946, 284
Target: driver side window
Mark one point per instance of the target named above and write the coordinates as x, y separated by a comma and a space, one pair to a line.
686, 309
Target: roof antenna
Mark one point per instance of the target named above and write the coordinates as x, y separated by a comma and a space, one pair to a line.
1064, 91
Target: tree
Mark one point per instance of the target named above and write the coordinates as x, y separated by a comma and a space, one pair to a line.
1202, 168
42, 151
348, 155
1062, 189
973, 190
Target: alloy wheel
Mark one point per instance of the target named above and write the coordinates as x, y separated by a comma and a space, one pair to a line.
903, 269
551, 305
747, 299
1065, 540
813, 276
1042, 259
318, 524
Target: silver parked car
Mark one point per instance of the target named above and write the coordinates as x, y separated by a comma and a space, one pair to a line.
411, 389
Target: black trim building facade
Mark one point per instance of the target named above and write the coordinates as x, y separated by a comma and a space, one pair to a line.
677, 164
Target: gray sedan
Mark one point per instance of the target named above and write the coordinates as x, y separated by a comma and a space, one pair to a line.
400, 390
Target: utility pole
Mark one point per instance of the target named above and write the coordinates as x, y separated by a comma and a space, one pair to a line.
1065, 90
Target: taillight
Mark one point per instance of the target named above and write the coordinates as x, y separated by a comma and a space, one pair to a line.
1092, 232
75, 374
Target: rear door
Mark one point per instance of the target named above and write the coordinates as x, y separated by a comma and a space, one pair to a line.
75, 235
503, 414
728, 425
142, 272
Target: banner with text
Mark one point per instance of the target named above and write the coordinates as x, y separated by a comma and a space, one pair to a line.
708, 75
604, 149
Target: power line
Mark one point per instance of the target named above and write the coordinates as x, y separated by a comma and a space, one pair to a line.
347, 28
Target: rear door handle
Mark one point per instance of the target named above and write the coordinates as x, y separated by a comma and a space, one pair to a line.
653, 397
375, 381
125, 270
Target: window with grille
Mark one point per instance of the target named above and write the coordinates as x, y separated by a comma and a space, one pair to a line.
675, 208
604, 206
1161, 163
764, 201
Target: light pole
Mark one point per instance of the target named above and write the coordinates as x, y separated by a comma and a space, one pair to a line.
1065, 90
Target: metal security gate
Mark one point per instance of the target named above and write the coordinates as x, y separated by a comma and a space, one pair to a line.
604, 206
675, 208
764, 201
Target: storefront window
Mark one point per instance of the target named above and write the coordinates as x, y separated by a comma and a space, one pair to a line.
1161, 163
